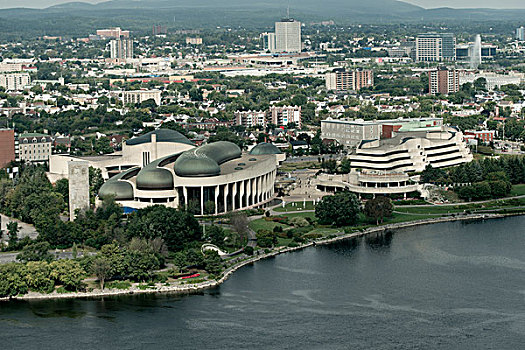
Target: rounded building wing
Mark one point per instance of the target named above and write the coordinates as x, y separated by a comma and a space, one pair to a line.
265, 148
116, 187
206, 160
162, 135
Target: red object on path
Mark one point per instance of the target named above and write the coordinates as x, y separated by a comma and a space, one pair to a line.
190, 276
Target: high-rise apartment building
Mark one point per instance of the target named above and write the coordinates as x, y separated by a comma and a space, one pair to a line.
250, 118
342, 80
115, 33
286, 115
443, 81
7, 147
288, 36
520, 33
268, 41
14, 81
435, 47
159, 29
121, 48
194, 41
139, 96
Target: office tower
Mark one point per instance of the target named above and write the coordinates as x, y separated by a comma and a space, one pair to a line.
268, 41
443, 81
520, 34
342, 80
435, 47
121, 48
288, 36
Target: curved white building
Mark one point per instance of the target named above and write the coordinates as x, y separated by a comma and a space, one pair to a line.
384, 166
412, 152
213, 179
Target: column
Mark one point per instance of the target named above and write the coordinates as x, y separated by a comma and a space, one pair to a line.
217, 199
202, 200
185, 192
226, 192
234, 193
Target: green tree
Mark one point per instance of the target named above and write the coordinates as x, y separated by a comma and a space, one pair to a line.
12, 233
176, 227
216, 235
266, 239
379, 208
101, 267
341, 209
36, 252
38, 277
213, 262
69, 273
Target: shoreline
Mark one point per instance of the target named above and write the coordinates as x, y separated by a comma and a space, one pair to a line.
160, 288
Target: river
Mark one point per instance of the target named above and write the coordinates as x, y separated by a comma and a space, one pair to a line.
444, 286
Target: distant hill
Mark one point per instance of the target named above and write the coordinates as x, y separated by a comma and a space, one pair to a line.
79, 18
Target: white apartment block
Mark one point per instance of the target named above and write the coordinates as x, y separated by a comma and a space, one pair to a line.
10, 67
121, 49
494, 80
34, 147
14, 81
350, 133
193, 41
288, 36
250, 118
349, 80
139, 96
286, 115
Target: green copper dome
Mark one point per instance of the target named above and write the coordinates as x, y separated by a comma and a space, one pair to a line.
163, 135
265, 148
154, 179
206, 160
121, 190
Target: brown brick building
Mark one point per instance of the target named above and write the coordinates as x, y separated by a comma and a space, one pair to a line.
7, 146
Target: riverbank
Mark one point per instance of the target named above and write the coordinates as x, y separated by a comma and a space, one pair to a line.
161, 288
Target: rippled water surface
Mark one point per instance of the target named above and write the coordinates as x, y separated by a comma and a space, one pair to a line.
445, 286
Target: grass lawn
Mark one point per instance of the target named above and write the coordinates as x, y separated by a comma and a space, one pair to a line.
300, 214
518, 190
298, 206
299, 165
432, 210
283, 241
261, 224
325, 231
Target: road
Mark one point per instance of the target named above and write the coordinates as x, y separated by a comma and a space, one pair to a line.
11, 257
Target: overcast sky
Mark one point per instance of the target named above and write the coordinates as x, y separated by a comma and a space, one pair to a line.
424, 3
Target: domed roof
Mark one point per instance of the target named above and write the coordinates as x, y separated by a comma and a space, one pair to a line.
152, 178
265, 148
195, 167
206, 160
163, 135
119, 189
